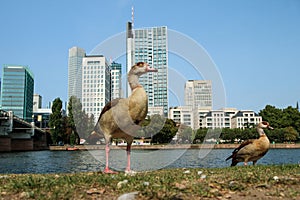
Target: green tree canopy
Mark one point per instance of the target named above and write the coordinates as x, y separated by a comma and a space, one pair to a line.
290, 134
281, 118
80, 123
272, 115
160, 129
56, 121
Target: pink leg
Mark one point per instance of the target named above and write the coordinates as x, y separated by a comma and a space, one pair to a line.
128, 149
107, 170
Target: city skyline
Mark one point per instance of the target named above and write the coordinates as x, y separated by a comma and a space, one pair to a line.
253, 44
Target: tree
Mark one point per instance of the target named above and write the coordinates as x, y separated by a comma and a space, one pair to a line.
272, 115
152, 126
72, 139
56, 122
291, 117
75, 117
90, 126
275, 135
290, 134
186, 134
163, 129
228, 135
200, 135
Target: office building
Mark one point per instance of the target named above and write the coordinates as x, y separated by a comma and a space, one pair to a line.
198, 94
214, 119
150, 45
17, 90
76, 55
95, 84
37, 102
245, 118
42, 116
116, 78
184, 115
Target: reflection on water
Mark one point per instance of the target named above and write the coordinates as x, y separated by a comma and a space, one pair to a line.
141, 160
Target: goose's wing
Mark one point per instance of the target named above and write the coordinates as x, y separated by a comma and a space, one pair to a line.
241, 146
109, 105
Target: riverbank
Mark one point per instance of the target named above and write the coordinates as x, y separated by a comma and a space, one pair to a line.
251, 182
171, 146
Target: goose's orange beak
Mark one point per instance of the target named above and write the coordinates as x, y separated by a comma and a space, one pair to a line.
149, 69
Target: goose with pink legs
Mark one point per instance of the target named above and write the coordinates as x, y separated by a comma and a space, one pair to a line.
121, 117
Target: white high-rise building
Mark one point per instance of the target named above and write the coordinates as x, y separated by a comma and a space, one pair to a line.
74, 72
150, 45
198, 94
95, 84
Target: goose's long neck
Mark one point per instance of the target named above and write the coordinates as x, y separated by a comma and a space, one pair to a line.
260, 131
133, 81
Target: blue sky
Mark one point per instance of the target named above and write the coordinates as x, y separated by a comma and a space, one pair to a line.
255, 45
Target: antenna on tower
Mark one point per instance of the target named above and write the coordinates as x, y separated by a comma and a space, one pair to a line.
132, 16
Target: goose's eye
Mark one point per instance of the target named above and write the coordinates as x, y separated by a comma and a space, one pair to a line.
140, 64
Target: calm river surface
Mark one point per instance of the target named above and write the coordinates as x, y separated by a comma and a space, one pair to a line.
141, 160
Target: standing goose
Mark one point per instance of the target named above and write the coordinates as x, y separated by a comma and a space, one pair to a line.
254, 149
120, 118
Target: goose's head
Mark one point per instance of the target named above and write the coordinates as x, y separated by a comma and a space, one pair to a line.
141, 68
264, 125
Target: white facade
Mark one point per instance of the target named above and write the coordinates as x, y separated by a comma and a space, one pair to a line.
213, 119
198, 93
95, 84
184, 115
245, 118
156, 111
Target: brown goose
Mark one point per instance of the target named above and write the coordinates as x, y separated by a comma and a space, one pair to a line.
254, 149
120, 118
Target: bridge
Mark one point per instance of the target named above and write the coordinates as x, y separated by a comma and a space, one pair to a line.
17, 134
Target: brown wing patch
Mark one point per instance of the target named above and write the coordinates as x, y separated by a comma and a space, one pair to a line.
235, 151
109, 105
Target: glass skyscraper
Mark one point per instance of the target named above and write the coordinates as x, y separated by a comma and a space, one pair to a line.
116, 77
150, 45
17, 91
76, 55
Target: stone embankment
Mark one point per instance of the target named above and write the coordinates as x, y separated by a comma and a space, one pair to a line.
171, 146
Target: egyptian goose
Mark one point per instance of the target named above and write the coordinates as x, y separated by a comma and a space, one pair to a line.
121, 117
254, 149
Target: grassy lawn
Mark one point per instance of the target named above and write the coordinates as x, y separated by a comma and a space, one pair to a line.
260, 182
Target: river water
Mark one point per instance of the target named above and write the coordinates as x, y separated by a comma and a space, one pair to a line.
141, 160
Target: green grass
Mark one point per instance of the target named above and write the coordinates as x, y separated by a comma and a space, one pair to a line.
234, 182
